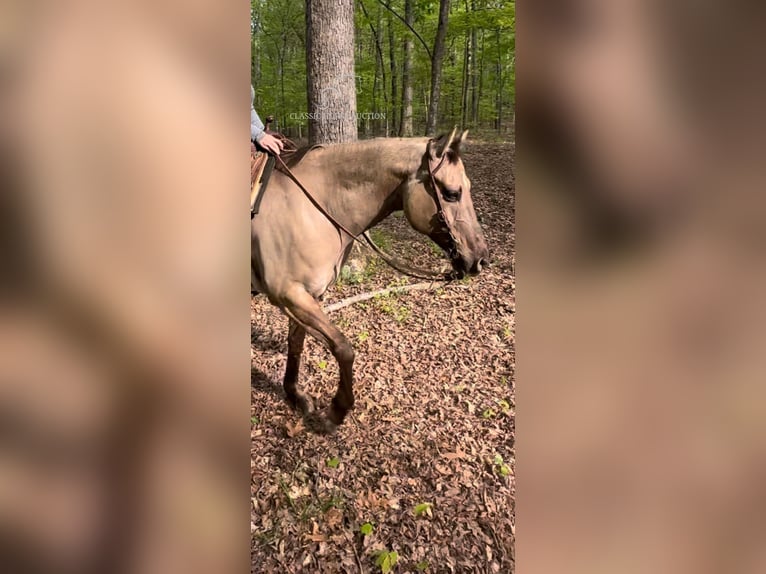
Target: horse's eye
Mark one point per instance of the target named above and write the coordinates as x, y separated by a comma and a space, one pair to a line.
452, 194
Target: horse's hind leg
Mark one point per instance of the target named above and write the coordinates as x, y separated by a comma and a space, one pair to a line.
296, 335
303, 308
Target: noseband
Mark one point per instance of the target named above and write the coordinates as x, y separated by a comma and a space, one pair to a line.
440, 215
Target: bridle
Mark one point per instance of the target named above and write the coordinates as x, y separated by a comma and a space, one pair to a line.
440, 215
393, 262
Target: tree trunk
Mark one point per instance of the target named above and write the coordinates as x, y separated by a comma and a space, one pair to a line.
436, 67
474, 74
330, 75
481, 81
499, 79
405, 125
391, 115
465, 79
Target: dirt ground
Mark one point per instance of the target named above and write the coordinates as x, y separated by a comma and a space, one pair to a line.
420, 478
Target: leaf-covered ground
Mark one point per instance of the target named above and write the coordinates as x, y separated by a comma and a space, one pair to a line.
420, 476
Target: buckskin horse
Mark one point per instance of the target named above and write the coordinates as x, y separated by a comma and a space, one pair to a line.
301, 238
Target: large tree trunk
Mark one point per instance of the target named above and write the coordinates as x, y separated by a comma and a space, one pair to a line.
405, 125
330, 71
436, 67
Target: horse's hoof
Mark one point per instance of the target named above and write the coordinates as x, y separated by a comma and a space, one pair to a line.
320, 424
301, 403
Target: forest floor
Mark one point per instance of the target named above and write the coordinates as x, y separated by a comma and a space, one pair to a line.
420, 477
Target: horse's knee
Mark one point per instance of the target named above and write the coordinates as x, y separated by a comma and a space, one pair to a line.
344, 353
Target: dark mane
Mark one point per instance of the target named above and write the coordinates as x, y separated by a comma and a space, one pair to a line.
292, 159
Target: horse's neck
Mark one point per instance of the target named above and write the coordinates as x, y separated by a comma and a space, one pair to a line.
363, 182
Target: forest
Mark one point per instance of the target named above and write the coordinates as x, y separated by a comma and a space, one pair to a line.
401, 49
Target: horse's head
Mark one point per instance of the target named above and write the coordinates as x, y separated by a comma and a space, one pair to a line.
438, 204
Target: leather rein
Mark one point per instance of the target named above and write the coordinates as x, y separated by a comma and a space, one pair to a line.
393, 262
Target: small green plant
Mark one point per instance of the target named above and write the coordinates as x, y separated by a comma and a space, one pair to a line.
366, 529
422, 566
504, 406
423, 507
386, 560
381, 238
322, 365
489, 413
253, 420
333, 462
363, 336
435, 249
500, 466
388, 304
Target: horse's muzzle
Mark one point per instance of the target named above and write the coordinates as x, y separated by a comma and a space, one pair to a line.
465, 267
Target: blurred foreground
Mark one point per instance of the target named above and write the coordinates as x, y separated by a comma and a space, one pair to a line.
124, 401
641, 288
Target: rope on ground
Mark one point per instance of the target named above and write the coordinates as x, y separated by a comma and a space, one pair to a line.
397, 289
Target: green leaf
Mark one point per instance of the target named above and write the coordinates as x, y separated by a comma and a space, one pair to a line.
366, 529
253, 420
488, 414
498, 459
333, 462
422, 565
422, 507
386, 561
322, 365
505, 470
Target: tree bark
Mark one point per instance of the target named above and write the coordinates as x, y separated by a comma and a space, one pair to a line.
391, 115
405, 125
330, 75
474, 73
436, 67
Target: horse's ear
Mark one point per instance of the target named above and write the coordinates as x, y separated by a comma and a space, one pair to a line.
458, 141
438, 147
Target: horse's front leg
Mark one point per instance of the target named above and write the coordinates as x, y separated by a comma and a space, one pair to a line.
305, 310
296, 335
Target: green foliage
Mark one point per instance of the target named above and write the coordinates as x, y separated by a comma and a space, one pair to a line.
322, 365
254, 420
366, 529
333, 462
422, 566
278, 64
386, 560
363, 336
381, 238
388, 304
421, 508
500, 467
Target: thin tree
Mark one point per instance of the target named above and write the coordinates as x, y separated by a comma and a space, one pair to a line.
405, 125
436, 67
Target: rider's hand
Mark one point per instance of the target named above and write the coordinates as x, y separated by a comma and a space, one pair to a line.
271, 144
